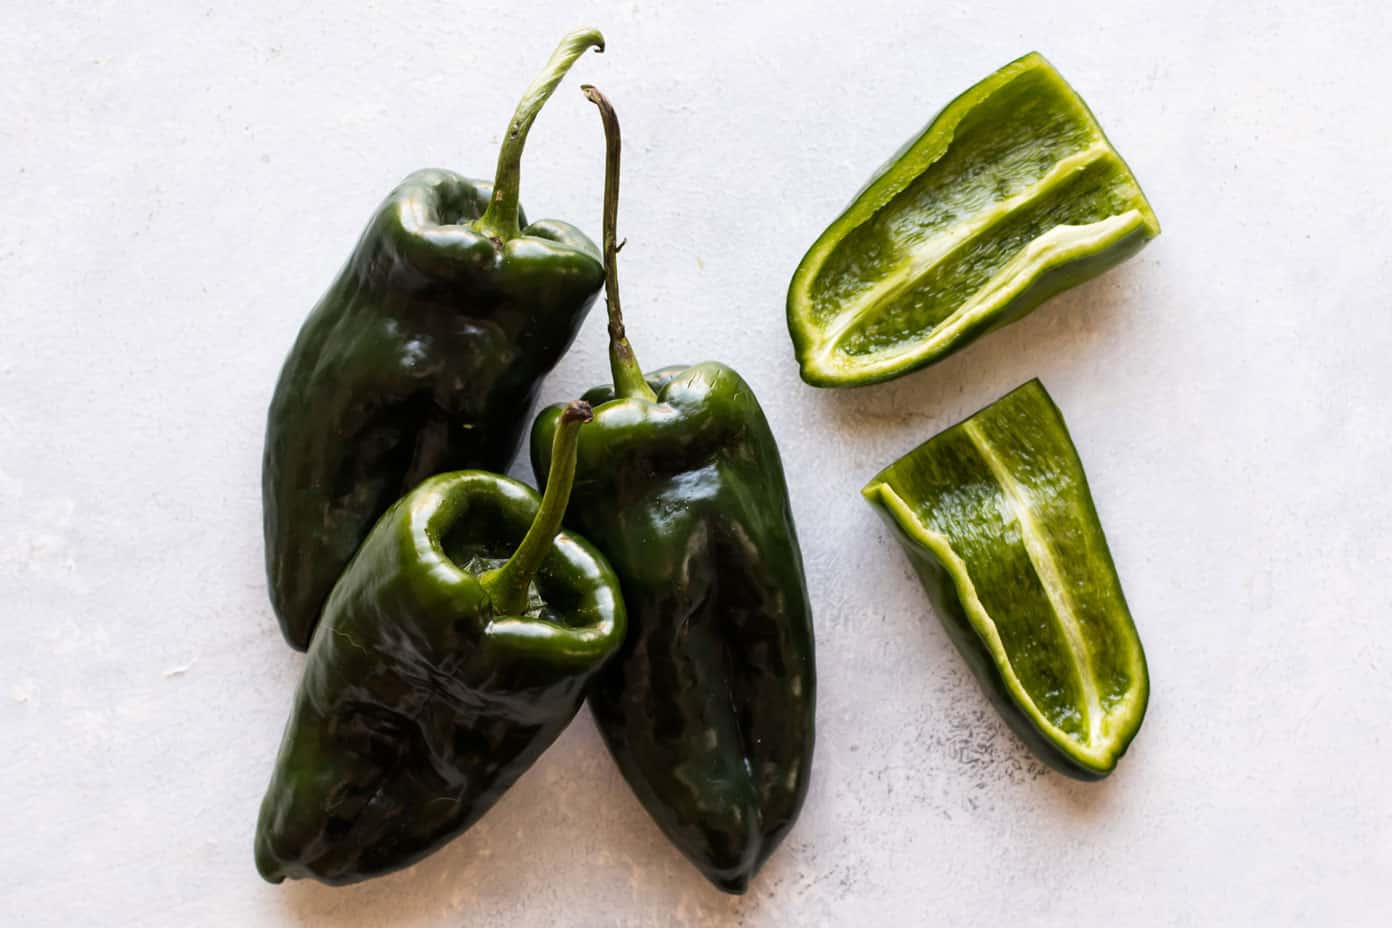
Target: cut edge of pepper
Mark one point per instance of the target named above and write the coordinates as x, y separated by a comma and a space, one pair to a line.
1053, 249
924, 149
1125, 716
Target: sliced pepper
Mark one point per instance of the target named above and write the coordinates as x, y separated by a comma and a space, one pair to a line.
1009, 196
997, 519
709, 708
423, 357
454, 650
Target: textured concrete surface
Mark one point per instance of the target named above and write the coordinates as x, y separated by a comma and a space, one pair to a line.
182, 180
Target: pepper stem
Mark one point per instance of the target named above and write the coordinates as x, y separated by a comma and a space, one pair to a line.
508, 585
627, 373
500, 219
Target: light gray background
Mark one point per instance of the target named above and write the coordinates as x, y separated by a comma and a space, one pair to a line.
182, 180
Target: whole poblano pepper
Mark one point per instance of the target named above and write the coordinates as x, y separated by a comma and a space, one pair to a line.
453, 651
709, 707
424, 356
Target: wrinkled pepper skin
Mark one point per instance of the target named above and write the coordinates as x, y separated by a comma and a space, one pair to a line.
423, 357
422, 699
709, 707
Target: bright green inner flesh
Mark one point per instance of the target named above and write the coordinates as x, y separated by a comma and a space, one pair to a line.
1006, 491
944, 236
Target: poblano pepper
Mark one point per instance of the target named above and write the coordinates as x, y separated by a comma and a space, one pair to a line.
996, 518
1010, 195
424, 356
454, 650
709, 706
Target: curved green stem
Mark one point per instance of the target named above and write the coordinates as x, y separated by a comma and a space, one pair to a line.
508, 585
500, 219
628, 374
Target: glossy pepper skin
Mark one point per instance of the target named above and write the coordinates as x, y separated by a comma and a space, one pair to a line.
437, 677
423, 356
709, 707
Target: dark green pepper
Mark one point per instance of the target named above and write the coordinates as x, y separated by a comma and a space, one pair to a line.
996, 517
422, 357
453, 651
709, 707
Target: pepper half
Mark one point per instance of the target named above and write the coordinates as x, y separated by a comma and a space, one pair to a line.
422, 357
1010, 195
997, 519
452, 653
709, 707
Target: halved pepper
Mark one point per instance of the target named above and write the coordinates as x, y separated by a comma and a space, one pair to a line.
1009, 196
452, 653
997, 519
709, 707
423, 357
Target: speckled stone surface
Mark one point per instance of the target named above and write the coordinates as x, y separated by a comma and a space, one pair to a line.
182, 181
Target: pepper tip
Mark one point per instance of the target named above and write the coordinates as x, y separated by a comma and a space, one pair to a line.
589, 37
578, 411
